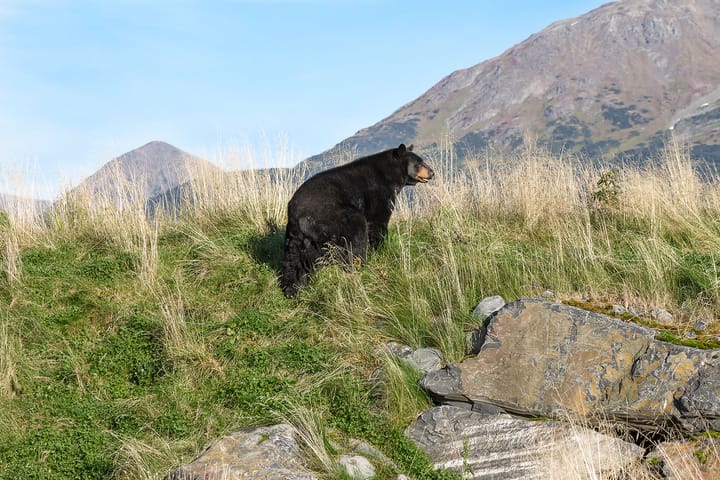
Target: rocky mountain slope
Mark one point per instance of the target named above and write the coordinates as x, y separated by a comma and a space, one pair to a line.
144, 173
615, 80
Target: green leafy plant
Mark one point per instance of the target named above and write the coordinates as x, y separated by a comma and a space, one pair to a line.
607, 192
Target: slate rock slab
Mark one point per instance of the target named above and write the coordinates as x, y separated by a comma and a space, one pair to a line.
500, 447
267, 453
543, 359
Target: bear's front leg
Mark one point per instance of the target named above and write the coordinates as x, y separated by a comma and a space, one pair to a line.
355, 238
376, 234
377, 219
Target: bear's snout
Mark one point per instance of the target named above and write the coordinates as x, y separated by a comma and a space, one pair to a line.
424, 174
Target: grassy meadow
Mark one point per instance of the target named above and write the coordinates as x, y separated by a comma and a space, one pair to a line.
129, 342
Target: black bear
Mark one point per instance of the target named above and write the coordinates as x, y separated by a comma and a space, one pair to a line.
347, 207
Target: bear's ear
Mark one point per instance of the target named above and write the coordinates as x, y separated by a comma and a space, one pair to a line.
409, 149
401, 149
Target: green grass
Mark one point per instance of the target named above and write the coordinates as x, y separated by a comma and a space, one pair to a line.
128, 346
96, 365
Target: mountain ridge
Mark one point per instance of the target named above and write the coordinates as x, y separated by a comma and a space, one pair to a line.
610, 82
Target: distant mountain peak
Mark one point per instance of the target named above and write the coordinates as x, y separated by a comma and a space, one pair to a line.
147, 170
157, 146
156, 143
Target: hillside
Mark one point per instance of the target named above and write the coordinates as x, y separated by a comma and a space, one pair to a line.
144, 173
613, 81
129, 344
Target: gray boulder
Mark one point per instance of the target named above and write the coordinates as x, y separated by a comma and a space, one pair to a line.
500, 447
400, 350
423, 359
544, 359
488, 306
701, 324
426, 359
357, 466
662, 316
267, 453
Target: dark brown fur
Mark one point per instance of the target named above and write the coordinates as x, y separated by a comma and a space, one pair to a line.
348, 207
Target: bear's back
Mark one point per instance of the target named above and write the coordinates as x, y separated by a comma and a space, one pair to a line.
348, 183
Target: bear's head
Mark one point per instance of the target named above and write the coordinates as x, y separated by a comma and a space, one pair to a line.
417, 170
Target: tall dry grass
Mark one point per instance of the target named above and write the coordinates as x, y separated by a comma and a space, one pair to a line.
503, 224
21, 223
11, 254
245, 193
510, 225
311, 430
110, 213
10, 352
182, 343
138, 460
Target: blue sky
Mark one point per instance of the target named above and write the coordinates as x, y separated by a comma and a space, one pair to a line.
84, 81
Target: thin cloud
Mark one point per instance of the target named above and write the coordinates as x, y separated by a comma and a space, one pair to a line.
15, 8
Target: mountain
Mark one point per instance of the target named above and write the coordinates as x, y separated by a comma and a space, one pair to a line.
144, 173
614, 81
174, 200
16, 204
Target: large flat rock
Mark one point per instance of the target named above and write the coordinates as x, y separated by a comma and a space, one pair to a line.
546, 359
263, 453
500, 447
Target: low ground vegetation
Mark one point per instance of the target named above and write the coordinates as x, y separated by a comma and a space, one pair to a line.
129, 341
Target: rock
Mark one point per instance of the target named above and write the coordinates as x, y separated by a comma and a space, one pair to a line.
446, 385
545, 359
488, 306
267, 453
474, 340
500, 447
426, 359
547, 294
618, 310
357, 466
423, 359
484, 309
701, 324
367, 450
399, 350
661, 316
696, 459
